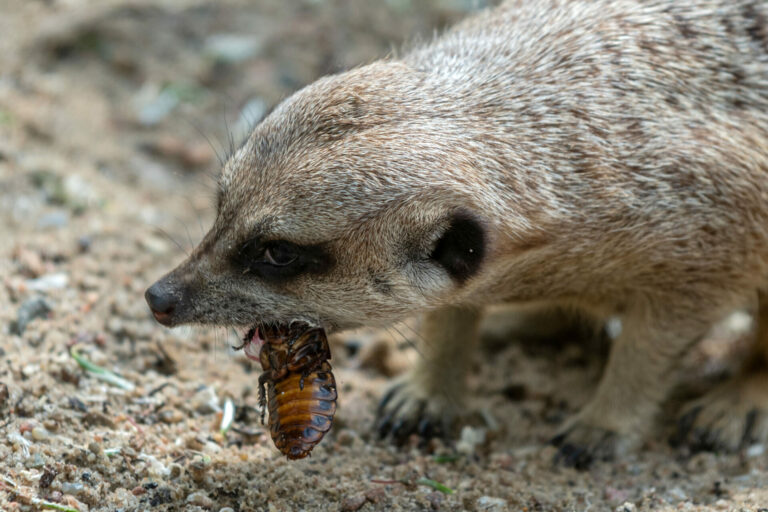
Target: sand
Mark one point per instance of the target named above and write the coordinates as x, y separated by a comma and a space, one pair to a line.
107, 180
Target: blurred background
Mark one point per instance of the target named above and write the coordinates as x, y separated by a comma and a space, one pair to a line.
115, 117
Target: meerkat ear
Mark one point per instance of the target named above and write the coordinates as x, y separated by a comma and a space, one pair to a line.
461, 247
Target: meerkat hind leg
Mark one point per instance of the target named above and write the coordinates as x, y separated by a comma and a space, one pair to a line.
734, 414
636, 380
429, 397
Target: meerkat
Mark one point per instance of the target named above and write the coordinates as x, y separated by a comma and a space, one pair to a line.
605, 155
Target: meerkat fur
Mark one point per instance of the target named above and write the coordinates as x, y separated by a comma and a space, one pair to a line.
605, 155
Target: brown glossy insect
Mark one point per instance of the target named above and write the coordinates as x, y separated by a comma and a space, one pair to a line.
300, 387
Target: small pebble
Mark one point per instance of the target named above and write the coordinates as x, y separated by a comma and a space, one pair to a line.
171, 416
56, 219
470, 439
352, 503
375, 495
678, 493
115, 325
491, 504
200, 499
30, 309
198, 468
756, 450
40, 434
4, 396
227, 509
72, 487
95, 448
435, 500
232, 47
175, 470
48, 282
153, 106
205, 401
346, 437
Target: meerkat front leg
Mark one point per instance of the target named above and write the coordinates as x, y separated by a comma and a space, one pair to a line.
430, 396
637, 378
734, 414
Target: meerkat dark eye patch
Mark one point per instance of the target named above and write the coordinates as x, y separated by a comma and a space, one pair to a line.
461, 247
278, 260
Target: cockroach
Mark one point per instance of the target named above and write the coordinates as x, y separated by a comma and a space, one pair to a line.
300, 386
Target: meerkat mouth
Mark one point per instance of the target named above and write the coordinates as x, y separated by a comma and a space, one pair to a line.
259, 334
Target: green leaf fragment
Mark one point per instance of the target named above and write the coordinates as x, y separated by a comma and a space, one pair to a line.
101, 373
442, 459
435, 485
55, 506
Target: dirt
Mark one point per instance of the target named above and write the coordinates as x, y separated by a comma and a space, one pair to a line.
114, 116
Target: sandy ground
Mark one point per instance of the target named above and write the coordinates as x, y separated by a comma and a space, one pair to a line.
106, 179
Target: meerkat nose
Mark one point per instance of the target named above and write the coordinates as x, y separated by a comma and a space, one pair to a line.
162, 301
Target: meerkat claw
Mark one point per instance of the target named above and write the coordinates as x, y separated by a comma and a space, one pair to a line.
581, 445
405, 410
729, 418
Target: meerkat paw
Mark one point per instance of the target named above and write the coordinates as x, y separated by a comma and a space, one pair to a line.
731, 417
409, 408
591, 437
579, 445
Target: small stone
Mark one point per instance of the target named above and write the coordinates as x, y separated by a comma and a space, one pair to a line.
626, 507
171, 416
470, 439
227, 509
755, 450
346, 437
375, 495
84, 243
176, 470
435, 500
56, 219
72, 487
616, 495
4, 397
99, 419
200, 499
154, 105
95, 448
352, 503
491, 504
154, 245
31, 262
198, 468
35, 462
205, 401
49, 474
48, 282
232, 47
30, 309
678, 493
40, 434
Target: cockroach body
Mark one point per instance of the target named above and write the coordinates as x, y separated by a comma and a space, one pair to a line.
300, 386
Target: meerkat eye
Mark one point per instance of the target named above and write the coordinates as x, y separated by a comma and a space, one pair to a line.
278, 260
280, 254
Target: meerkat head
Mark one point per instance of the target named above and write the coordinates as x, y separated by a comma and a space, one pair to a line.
346, 206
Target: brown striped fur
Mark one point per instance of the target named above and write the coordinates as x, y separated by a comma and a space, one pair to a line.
612, 153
